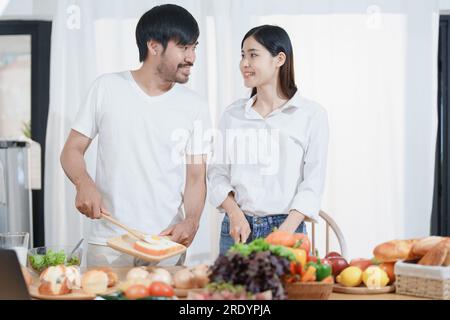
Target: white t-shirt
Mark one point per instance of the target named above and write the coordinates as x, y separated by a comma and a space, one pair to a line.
142, 144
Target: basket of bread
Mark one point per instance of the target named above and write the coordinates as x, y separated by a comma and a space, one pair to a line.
422, 266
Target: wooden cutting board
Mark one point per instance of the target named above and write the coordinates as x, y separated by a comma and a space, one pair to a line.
74, 295
362, 289
125, 243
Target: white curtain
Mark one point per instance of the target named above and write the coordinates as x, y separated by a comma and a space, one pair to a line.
371, 64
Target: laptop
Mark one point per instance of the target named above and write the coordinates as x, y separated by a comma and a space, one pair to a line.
12, 282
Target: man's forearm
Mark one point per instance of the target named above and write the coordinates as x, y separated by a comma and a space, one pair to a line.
74, 166
194, 198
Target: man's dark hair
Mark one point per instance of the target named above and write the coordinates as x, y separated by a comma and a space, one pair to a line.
164, 23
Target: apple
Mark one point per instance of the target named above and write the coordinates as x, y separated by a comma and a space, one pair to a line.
337, 264
333, 254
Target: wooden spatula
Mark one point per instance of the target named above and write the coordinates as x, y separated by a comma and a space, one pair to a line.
134, 233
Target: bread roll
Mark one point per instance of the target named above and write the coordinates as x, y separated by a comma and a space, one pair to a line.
421, 247
395, 250
113, 278
54, 281
137, 273
94, 282
73, 274
436, 256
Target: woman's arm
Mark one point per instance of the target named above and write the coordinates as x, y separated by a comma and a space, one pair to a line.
306, 203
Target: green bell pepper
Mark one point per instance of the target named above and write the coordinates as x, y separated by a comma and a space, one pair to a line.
322, 270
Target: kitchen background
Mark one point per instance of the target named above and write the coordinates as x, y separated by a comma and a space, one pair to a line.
372, 64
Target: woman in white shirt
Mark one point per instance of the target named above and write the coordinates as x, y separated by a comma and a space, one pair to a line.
269, 166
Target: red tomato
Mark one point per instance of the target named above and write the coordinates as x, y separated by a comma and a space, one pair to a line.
160, 289
305, 244
136, 291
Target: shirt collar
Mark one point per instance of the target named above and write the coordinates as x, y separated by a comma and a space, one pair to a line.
295, 102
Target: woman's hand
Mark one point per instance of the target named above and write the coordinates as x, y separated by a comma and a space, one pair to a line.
239, 226
292, 221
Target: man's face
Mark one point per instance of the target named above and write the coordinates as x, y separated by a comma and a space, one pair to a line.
176, 62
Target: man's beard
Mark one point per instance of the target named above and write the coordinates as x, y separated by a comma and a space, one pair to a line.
170, 75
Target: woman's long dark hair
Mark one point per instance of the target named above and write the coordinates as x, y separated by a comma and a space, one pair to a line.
276, 40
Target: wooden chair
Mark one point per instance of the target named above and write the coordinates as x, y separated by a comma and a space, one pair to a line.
329, 224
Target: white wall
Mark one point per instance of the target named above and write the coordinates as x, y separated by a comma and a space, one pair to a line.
27, 9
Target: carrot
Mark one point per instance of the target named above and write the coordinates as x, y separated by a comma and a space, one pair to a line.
309, 275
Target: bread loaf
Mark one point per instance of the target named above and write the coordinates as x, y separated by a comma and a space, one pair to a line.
447, 258
437, 255
395, 250
420, 248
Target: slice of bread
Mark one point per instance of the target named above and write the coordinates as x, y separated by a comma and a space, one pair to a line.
157, 247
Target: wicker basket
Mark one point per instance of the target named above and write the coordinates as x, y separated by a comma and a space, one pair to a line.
308, 290
422, 281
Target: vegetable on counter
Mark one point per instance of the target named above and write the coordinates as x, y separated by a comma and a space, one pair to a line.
323, 270
257, 271
40, 262
260, 245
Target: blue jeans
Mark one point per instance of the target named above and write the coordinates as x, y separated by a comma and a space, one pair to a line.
260, 227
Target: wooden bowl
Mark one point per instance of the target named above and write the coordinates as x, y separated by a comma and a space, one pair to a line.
309, 290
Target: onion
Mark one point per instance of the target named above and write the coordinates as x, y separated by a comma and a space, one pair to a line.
201, 275
161, 275
184, 279
137, 273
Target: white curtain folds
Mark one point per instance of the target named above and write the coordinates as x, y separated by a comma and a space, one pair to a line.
371, 64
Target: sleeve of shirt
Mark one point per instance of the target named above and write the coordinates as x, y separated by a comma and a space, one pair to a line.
86, 121
218, 175
200, 139
310, 190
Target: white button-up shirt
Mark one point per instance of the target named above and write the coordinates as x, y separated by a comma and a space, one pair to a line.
274, 164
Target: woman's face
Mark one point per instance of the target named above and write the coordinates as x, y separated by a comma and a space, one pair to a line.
257, 65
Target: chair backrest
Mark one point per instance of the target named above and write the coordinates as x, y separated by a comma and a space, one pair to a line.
329, 224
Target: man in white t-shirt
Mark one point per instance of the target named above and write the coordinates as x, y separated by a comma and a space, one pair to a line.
151, 145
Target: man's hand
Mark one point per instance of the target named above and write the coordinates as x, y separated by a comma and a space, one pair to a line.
183, 232
89, 200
